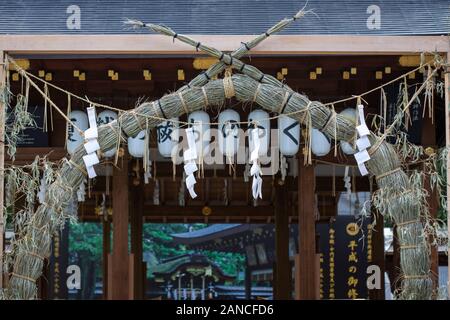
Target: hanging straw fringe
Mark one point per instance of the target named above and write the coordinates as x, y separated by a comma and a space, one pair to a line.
45, 108
69, 110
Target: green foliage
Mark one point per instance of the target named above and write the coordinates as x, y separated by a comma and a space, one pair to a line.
86, 242
231, 263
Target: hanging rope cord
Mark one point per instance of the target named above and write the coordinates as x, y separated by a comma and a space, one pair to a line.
29, 75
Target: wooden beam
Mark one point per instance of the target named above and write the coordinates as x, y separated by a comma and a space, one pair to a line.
276, 44
26, 155
307, 272
2, 164
120, 261
282, 279
152, 211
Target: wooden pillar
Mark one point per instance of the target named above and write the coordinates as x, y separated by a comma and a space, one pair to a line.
106, 253
119, 277
2, 163
282, 279
306, 272
447, 143
136, 241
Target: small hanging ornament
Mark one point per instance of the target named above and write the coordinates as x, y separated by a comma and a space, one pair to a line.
42, 190
347, 182
182, 192
81, 191
156, 193
246, 168
283, 167
225, 192
148, 171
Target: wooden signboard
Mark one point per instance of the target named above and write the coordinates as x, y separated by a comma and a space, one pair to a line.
343, 258
35, 137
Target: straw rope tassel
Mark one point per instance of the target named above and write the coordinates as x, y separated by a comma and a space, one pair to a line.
50, 110
405, 103
405, 96
383, 107
116, 157
174, 168
308, 157
27, 91
69, 110
45, 127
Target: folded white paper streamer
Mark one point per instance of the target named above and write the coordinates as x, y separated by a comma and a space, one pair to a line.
255, 170
362, 143
190, 155
91, 145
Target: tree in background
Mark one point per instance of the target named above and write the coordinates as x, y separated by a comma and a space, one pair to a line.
85, 250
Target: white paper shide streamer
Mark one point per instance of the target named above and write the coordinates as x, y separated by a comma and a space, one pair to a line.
91, 144
190, 157
255, 170
362, 142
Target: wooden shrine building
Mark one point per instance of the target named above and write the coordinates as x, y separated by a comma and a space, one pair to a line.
87, 51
